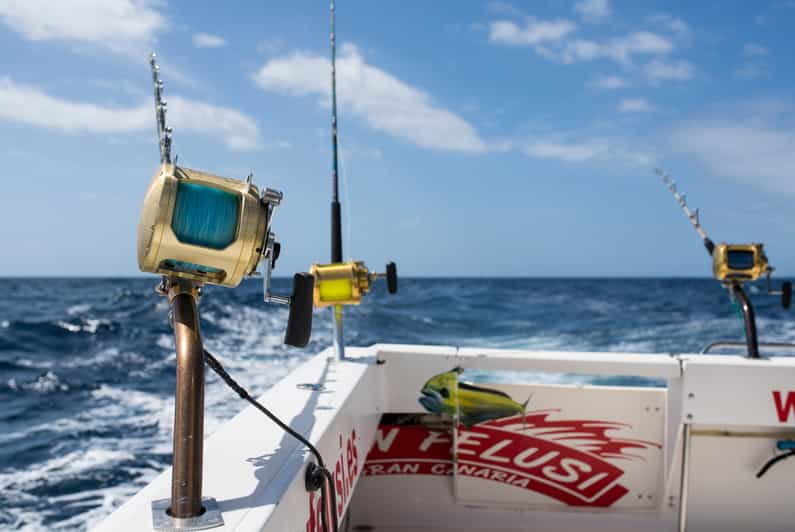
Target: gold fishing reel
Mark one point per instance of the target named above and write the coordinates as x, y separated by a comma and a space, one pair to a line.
202, 227
215, 230
739, 262
345, 283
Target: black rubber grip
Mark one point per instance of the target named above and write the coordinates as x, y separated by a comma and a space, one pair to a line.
710, 245
336, 233
299, 322
391, 277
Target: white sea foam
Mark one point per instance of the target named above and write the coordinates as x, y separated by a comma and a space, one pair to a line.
90, 325
71, 327
37, 364
166, 341
49, 382
62, 467
78, 309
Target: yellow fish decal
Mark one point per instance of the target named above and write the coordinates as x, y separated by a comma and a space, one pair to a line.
443, 394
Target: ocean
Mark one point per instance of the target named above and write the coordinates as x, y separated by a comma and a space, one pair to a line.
87, 365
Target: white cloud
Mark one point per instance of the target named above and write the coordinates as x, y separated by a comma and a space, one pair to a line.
382, 100
752, 49
635, 105
208, 40
127, 26
592, 10
567, 152
658, 71
30, 105
239, 131
608, 83
749, 151
618, 49
638, 42
589, 150
533, 32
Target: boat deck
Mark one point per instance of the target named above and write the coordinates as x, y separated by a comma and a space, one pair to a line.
579, 457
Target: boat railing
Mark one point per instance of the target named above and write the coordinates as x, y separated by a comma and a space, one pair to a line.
778, 346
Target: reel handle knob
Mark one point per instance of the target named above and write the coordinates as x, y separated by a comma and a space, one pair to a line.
786, 294
391, 277
299, 322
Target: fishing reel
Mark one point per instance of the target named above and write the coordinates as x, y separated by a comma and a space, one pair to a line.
210, 229
732, 264
740, 263
215, 230
345, 283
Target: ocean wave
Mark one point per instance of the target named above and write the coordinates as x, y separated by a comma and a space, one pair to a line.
81, 308
45, 383
90, 325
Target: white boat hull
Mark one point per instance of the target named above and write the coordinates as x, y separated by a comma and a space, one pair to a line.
578, 457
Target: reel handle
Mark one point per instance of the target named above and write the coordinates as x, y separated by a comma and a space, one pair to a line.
299, 322
785, 292
391, 277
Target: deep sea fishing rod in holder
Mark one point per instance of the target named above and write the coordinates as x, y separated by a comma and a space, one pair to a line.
198, 228
734, 265
342, 283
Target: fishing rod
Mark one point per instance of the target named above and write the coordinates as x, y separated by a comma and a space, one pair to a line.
341, 283
198, 229
734, 265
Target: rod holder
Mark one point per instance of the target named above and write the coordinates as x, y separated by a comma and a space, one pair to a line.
749, 319
186, 510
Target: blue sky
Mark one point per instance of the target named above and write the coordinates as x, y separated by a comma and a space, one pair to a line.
489, 138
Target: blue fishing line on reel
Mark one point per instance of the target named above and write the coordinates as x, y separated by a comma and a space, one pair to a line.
205, 216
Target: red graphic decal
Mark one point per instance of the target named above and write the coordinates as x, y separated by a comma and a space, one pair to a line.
784, 406
344, 475
586, 435
563, 459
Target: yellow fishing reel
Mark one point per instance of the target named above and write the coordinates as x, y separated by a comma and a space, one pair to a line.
732, 264
345, 283
739, 262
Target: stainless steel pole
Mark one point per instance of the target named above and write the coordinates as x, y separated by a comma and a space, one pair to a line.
339, 342
685, 480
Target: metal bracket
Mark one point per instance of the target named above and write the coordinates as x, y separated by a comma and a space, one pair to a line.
271, 199
161, 521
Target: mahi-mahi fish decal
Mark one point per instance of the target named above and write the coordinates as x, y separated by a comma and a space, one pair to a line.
444, 394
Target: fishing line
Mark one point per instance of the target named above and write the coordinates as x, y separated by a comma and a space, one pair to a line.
314, 479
